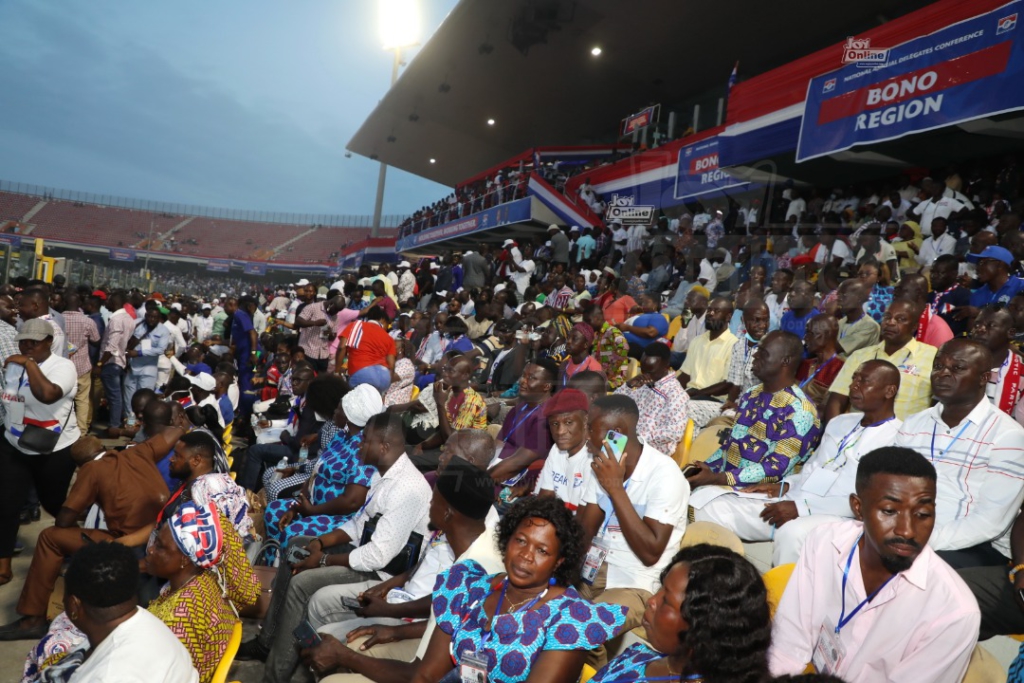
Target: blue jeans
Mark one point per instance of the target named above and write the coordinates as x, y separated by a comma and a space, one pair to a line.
112, 378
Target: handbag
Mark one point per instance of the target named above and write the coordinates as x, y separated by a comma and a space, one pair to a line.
406, 558
40, 439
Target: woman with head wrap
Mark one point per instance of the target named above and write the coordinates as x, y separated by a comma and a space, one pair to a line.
338, 481
579, 359
208, 577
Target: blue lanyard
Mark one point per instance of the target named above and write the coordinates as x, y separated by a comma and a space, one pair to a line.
486, 635
844, 619
950, 445
842, 444
517, 423
820, 367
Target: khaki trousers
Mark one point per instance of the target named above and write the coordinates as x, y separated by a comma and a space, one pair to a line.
83, 404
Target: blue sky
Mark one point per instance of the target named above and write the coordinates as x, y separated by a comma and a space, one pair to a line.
237, 104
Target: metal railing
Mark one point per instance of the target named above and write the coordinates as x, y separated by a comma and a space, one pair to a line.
185, 210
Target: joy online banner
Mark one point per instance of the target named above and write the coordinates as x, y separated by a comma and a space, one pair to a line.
965, 71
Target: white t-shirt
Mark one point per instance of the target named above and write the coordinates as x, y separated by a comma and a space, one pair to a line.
522, 279
566, 475
931, 209
177, 338
22, 407
437, 558
796, 208
140, 650
838, 250
658, 491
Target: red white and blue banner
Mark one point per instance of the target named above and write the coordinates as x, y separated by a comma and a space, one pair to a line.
699, 172
11, 239
218, 266
559, 205
503, 214
968, 70
251, 268
640, 120
122, 255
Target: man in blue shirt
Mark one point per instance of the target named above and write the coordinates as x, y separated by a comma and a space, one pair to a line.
648, 327
244, 340
585, 247
997, 285
801, 309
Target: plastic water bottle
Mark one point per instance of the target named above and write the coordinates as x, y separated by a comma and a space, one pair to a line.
254, 420
282, 465
130, 420
304, 454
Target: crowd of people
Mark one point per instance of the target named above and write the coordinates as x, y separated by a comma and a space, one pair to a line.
505, 464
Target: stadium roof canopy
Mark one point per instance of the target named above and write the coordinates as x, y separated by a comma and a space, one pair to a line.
527, 64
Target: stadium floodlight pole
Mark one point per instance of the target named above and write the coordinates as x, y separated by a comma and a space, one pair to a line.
149, 248
398, 22
378, 206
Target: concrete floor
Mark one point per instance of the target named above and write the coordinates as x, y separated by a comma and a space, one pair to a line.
12, 654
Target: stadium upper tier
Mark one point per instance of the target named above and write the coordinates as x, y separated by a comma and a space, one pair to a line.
185, 235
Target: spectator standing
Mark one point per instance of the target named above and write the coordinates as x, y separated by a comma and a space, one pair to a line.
81, 333
315, 329
244, 341
113, 361
35, 303
559, 245
147, 344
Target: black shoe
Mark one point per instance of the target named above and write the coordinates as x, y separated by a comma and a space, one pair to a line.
251, 650
15, 631
36, 513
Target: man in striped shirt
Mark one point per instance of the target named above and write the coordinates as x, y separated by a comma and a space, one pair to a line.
315, 334
80, 330
978, 452
111, 365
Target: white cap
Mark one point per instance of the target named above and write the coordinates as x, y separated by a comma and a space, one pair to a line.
321, 296
552, 227
207, 307
574, 228
403, 264
339, 285
176, 306
302, 283
435, 266
204, 381
223, 296
508, 242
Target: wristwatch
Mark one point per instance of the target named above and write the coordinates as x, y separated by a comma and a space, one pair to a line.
323, 560
1013, 572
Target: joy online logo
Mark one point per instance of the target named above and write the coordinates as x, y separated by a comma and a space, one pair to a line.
859, 51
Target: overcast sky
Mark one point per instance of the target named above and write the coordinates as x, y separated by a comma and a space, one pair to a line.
235, 103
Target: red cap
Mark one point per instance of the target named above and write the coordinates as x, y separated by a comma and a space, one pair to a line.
566, 401
100, 294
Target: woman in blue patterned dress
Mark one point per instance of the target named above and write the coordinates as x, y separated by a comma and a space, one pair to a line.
339, 481
527, 619
709, 622
872, 273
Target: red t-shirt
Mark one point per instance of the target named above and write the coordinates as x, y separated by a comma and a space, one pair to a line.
368, 344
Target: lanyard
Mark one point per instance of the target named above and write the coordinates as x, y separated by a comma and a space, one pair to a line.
819, 369
517, 423
950, 445
844, 619
608, 515
486, 635
842, 444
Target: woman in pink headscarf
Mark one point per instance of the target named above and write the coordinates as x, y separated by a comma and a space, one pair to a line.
579, 345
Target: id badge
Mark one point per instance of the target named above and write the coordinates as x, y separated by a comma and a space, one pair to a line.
145, 345
828, 652
473, 668
820, 481
15, 412
595, 558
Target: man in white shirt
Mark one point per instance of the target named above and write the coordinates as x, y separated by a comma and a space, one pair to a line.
400, 496
797, 207
634, 511
940, 243
567, 470
778, 299
406, 281
898, 205
936, 206
697, 304
869, 600
820, 492
523, 269
978, 452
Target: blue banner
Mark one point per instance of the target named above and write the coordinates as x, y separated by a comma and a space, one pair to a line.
218, 266
11, 239
122, 254
969, 70
504, 214
698, 171
254, 268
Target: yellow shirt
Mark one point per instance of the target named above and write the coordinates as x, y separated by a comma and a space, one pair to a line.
707, 361
914, 361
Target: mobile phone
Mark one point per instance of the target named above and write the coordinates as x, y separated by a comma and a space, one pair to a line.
351, 604
616, 442
305, 636
690, 469
297, 554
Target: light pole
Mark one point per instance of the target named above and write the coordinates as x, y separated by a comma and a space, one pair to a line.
398, 23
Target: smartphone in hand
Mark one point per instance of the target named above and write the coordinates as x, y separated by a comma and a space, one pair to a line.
351, 604
305, 636
617, 443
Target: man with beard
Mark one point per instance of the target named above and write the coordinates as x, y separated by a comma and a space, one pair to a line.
705, 371
996, 329
978, 452
913, 618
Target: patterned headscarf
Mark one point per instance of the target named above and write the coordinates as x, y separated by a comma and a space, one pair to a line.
586, 330
361, 404
197, 533
562, 326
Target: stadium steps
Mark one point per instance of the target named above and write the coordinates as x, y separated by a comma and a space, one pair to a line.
285, 245
162, 237
33, 211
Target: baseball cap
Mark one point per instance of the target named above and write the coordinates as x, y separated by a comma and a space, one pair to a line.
403, 264
302, 283
574, 228
176, 306
507, 243
100, 294
207, 307
35, 329
997, 253
204, 381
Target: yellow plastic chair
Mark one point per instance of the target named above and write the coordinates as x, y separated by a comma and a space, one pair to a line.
674, 326
775, 581
683, 448
587, 673
228, 431
221, 674
632, 368
415, 393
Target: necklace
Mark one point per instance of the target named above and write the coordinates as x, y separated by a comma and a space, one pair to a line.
513, 606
